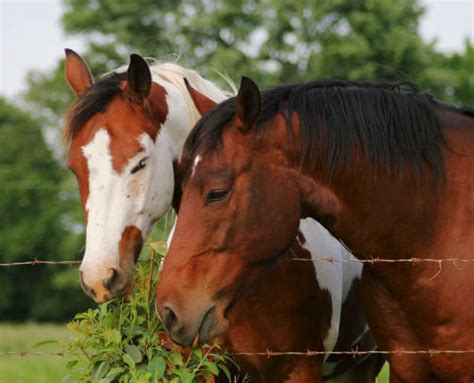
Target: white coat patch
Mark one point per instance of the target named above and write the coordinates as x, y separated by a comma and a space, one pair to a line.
322, 245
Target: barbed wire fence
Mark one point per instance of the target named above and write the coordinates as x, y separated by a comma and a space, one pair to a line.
456, 262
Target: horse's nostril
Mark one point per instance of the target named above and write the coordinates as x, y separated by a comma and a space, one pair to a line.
207, 325
169, 317
111, 282
84, 287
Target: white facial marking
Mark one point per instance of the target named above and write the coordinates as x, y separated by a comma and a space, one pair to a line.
170, 235
196, 162
117, 200
322, 245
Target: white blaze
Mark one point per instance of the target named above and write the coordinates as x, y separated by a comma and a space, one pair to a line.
117, 200
196, 162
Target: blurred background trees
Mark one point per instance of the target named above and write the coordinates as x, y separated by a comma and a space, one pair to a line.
272, 41
35, 222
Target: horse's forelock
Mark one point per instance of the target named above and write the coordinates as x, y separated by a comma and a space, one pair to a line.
93, 101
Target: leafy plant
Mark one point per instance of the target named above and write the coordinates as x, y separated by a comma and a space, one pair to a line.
124, 341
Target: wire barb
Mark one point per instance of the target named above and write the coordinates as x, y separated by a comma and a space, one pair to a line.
354, 352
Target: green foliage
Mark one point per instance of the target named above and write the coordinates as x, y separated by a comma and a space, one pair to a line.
124, 341
273, 41
457, 73
33, 223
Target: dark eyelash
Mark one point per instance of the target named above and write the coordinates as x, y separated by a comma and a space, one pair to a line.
140, 166
216, 195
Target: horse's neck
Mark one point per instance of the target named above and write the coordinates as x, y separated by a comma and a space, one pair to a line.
182, 113
373, 215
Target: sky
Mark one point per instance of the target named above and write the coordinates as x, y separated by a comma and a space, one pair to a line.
31, 36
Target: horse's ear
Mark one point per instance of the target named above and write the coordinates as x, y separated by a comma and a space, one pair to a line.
202, 102
77, 72
138, 77
248, 103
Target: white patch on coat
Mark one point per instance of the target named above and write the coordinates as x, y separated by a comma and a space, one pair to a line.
182, 112
322, 245
351, 271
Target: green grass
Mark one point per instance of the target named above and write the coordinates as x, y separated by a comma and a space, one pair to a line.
31, 369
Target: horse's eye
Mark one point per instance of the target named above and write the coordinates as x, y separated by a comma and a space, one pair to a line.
140, 166
216, 195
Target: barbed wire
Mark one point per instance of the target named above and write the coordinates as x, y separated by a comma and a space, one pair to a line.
35, 262
354, 352
454, 261
31, 353
40, 187
383, 260
40, 262
269, 353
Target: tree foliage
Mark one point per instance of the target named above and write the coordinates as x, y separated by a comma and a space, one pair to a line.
33, 224
272, 41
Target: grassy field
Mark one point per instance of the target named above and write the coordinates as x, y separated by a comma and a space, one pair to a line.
43, 369
31, 369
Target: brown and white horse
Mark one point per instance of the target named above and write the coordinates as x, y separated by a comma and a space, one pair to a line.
386, 168
127, 131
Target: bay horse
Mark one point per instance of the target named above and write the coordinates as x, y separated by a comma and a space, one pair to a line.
386, 168
296, 306
126, 133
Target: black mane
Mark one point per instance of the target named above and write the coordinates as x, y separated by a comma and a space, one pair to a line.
93, 101
395, 124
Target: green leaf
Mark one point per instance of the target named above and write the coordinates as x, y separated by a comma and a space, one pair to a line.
134, 352
197, 352
158, 247
45, 342
211, 367
186, 376
71, 364
157, 367
226, 371
129, 360
101, 370
176, 358
114, 372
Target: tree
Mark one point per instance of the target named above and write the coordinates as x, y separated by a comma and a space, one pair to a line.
33, 224
456, 72
273, 41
